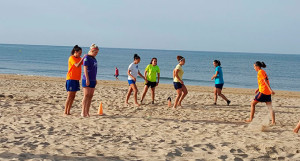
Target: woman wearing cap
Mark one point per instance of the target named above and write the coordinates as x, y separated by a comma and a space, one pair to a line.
89, 79
178, 83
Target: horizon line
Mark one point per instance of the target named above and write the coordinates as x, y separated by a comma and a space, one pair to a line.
160, 49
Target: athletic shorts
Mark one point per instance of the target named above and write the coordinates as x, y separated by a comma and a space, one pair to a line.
260, 97
131, 82
220, 86
177, 85
116, 75
152, 84
72, 85
92, 84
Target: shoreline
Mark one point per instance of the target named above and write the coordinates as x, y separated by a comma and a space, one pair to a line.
281, 93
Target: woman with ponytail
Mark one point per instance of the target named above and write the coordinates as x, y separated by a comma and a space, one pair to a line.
263, 92
89, 80
133, 72
178, 82
219, 82
73, 77
150, 73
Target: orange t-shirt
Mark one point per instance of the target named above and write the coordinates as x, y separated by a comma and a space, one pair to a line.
74, 73
261, 75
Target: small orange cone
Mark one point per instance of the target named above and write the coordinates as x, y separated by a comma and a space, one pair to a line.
100, 111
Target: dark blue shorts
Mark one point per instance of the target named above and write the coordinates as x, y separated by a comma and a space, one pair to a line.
72, 85
131, 82
151, 84
92, 84
116, 75
260, 97
219, 86
177, 85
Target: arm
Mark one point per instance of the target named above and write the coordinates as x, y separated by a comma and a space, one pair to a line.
214, 76
80, 62
268, 85
134, 79
145, 74
158, 76
176, 75
86, 75
141, 75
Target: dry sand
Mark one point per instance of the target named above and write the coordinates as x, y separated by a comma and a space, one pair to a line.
33, 127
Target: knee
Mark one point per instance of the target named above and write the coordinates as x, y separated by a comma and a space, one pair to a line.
185, 93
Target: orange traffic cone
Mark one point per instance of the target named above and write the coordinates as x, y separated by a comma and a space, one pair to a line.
100, 111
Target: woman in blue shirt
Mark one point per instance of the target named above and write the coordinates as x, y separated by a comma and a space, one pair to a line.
219, 82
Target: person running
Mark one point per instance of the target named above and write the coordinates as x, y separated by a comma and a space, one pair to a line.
264, 91
219, 82
178, 82
297, 128
133, 71
73, 77
89, 80
150, 73
117, 73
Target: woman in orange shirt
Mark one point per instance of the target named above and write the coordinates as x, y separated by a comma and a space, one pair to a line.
264, 91
73, 77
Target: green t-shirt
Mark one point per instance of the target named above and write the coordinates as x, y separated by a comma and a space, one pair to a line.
151, 72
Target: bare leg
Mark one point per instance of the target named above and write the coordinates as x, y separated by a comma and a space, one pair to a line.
297, 128
128, 95
144, 93
85, 101
253, 103
269, 105
135, 90
69, 102
91, 94
216, 95
219, 91
179, 93
185, 92
153, 94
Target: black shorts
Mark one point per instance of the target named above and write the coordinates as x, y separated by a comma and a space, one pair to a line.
152, 84
219, 86
177, 85
260, 97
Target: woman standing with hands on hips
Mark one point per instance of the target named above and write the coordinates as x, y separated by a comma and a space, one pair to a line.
219, 82
89, 80
178, 83
73, 77
133, 71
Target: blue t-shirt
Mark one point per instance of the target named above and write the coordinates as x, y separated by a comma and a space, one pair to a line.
91, 64
219, 78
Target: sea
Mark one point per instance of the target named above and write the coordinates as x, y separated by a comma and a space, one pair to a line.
42, 60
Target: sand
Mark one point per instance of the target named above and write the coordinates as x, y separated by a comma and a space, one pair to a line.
32, 125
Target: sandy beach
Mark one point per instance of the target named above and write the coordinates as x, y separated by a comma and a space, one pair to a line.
33, 126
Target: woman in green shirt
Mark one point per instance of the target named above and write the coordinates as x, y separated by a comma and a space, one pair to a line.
150, 73
178, 83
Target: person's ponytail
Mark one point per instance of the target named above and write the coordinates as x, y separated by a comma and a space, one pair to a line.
75, 48
260, 64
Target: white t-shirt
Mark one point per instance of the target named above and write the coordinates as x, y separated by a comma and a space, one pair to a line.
134, 69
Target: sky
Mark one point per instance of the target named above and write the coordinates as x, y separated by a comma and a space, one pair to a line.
260, 26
